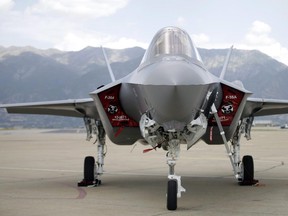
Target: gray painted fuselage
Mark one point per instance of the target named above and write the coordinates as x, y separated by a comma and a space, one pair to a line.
171, 91
171, 87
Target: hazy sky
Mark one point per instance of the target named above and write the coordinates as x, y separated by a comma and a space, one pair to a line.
75, 24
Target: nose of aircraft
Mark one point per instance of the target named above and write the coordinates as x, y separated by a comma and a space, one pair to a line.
175, 93
175, 106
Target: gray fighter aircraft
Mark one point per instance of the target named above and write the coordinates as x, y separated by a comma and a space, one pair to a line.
170, 99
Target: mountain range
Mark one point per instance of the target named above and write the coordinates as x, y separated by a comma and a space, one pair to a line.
28, 74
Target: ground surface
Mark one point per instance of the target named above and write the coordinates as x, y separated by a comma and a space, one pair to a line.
39, 171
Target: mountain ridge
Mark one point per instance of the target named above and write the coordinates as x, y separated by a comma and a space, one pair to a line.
29, 74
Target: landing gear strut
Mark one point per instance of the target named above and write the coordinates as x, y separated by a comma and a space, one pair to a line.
174, 187
243, 170
92, 170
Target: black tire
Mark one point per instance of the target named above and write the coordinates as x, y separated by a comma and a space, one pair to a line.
89, 166
248, 169
172, 195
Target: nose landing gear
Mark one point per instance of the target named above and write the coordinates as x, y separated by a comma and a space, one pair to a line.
174, 187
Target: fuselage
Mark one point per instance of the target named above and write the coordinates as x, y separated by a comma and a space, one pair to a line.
169, 95
173, 92
171, 85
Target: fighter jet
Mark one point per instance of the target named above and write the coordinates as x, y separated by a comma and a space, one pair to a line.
171, 99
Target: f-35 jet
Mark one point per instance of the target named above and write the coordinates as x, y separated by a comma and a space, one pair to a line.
171, 99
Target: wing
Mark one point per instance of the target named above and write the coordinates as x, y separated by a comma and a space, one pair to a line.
71, 107
263, 107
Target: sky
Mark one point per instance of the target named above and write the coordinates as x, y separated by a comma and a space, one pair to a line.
72, 25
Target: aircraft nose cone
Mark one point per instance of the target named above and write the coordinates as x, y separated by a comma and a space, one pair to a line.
172, 73
170, 105
175, 91
171, 92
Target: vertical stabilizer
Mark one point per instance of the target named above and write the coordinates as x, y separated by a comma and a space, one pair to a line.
226, 63
108, 65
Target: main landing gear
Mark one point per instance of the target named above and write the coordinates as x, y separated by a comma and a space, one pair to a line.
247, 171
243, 170
92, 170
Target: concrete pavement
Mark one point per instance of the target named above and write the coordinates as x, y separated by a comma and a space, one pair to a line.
39, 170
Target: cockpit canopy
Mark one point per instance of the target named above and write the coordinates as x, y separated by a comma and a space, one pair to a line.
171, 41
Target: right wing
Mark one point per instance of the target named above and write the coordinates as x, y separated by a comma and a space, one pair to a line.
72, 107
263, 107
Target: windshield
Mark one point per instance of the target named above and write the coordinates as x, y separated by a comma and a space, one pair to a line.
171, 41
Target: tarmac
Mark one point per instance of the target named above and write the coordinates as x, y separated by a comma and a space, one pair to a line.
39, 171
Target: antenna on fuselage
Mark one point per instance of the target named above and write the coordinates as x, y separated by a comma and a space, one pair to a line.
108, 65
226, 63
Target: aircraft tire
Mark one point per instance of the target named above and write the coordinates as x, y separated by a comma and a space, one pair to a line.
248, 169
172, 195
89, 166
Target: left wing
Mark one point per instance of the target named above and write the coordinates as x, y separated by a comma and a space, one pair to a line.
263, 107
71, 107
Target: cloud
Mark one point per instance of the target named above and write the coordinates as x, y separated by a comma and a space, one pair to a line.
258, 37
259, 34
200, 39
38, 24
125, 42
259, 27
85, 8
74, 42
181, 21
6, 5
77, 41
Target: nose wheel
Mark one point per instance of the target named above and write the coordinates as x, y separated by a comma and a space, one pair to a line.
172, 194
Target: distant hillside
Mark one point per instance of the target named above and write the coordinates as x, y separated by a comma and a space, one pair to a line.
28, 74
261, 74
